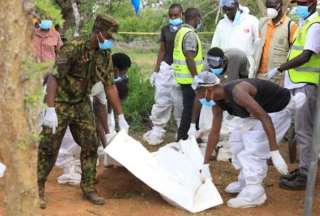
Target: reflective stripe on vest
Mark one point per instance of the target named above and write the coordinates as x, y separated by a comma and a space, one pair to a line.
310, 71
180, 67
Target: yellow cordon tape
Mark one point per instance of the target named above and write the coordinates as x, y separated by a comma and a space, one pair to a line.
157, 33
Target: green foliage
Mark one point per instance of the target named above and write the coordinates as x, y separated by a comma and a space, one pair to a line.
50, 10
149, 20
138, 105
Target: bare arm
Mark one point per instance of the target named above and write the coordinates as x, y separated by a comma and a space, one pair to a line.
196, 109
214, 133
243, 98
190, 62
52, 86
113, 97
301, 59
160, 56
101, 120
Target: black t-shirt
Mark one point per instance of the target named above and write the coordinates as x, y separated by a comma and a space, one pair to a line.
271, 97
167, 37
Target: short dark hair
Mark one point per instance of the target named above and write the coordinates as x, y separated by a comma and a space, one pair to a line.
191, 13
216, 52
121, 61
176, 5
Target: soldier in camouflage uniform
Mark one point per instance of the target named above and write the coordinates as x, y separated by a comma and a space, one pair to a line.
79, 65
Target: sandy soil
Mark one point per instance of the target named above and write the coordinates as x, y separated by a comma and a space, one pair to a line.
128, 196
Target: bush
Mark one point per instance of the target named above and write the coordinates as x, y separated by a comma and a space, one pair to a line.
50, 10
137, 106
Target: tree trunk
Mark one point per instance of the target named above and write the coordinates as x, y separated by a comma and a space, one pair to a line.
67, 13
262, 7
18, 87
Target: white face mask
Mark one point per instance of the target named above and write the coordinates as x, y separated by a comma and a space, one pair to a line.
272, 13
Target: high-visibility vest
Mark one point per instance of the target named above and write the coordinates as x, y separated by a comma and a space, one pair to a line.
310, 71
180, 67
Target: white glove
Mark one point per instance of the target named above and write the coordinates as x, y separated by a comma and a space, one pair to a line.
153, 78
192, 130
205, 173
50, 119
279, 162
272, 73
195, 82
123, 125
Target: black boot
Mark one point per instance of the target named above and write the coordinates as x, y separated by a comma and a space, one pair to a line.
292, 175
94, 198
297, 183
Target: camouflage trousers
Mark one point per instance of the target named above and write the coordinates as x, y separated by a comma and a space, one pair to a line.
80, 119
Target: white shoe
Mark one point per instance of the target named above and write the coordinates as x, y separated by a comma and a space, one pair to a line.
154, 136
224, 154
250, 196
234, 187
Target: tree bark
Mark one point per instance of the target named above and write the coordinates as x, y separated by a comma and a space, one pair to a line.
17, 108
67, 13
262, 7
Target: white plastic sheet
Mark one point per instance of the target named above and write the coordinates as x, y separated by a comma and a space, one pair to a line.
173, 171
2, 169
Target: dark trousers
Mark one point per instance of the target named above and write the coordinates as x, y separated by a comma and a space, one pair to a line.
188, 96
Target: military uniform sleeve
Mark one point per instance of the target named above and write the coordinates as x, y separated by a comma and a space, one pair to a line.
64, 60
104, 68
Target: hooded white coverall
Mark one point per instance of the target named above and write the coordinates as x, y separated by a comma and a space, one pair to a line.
242, 34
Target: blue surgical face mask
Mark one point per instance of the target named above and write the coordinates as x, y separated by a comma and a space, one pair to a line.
45, 24
206, 103
216, 71
302, 11
106, 44
175, 22
237, 18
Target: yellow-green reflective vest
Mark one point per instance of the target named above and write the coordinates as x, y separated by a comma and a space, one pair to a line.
180, 67
310, 71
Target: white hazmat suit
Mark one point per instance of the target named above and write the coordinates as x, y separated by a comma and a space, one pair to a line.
168, 99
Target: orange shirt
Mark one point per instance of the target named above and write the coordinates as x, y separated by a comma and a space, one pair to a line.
270, 30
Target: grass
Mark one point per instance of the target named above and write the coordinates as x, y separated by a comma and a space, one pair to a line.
143, 56
137, 106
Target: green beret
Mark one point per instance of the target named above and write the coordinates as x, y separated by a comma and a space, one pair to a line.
105, 23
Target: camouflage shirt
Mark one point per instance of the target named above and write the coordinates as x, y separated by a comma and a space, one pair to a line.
75, 77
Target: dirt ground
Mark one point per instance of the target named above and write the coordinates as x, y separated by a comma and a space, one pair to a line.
128, 196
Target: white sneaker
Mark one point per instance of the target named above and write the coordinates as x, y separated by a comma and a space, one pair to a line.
234, 187
250, 196
154, 136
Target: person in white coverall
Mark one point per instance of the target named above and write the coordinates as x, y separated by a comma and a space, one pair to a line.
266, 110
239, 30
168, 95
